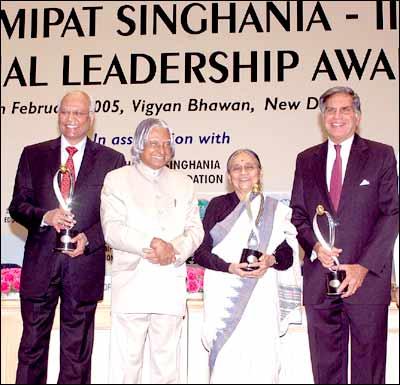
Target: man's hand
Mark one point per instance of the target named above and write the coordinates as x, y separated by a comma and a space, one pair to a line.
325, 256
355, 275
81, 242
59, 219
151, 256
164, 252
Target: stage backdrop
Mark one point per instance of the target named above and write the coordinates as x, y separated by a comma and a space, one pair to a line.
224, 75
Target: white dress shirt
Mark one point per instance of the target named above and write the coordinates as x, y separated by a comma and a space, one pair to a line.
344, 154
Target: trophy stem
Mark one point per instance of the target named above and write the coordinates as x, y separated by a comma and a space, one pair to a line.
251, 254
261, 210
253, 235
64, 237
334, 277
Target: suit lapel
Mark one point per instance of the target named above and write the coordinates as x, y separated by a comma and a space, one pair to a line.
319, 172
52, 160
54, 157
355, 166
87, 166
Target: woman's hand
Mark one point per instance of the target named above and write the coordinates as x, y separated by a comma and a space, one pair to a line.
265, 262
237, 268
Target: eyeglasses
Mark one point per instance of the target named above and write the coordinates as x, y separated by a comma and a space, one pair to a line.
75, 114
248, 168
154, 144
348, 110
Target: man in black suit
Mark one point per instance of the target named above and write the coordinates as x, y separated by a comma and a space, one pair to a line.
355, 179
76, 277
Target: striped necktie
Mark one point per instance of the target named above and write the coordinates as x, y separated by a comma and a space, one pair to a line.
65, 179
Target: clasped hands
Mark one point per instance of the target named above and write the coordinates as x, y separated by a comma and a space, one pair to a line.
355, 273
265, 262
160, 252
62, 219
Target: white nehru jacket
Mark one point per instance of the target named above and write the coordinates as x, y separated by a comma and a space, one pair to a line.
138, 204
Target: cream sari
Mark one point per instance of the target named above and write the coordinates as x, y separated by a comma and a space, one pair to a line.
244, 317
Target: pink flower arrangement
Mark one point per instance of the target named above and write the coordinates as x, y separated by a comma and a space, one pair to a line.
194, 278
10, 280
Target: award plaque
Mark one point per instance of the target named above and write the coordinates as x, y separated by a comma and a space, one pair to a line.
334, 277
64, 237
251, 254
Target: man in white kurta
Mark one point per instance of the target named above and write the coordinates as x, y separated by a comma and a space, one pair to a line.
150, 218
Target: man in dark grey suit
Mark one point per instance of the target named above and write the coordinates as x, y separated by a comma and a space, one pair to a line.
76, 277
355, 180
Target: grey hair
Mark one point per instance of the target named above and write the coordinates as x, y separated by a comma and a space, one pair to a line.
241, 150
142, 133
91, 104
340, 90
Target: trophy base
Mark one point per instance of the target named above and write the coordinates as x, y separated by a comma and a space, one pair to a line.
63, 242
334, 279
250, 256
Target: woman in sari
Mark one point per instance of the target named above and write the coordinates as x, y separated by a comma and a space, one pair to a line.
245, 311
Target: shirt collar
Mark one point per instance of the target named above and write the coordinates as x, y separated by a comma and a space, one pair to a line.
79, 146
346, 144
148, 171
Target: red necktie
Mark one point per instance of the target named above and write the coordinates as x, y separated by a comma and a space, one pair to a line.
65, 179
336, 179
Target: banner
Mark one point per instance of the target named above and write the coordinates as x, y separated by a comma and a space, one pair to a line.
224, 75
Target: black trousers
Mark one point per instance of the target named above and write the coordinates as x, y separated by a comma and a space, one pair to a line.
76, 331
330, 325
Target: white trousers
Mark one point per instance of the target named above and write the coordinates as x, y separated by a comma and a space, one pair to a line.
128, 337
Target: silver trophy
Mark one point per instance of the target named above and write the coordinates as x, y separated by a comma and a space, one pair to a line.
334, 277
64, 237
251, 254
